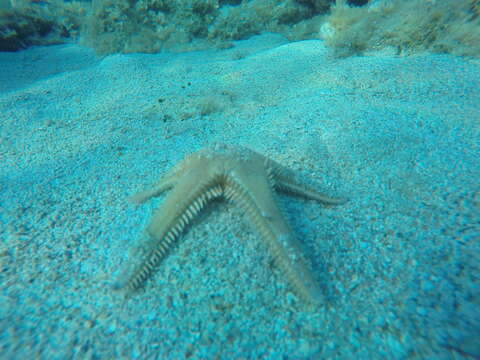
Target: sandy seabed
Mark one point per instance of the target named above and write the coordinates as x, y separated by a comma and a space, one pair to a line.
399, 262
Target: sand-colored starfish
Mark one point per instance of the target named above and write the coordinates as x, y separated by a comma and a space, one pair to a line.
248, 180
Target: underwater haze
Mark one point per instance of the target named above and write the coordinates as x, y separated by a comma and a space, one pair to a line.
376, 103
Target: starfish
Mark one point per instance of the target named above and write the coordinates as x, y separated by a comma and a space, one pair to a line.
245, 178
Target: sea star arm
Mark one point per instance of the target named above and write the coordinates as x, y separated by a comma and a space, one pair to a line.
291, 186
252, 192
285, 181
156, 190
179, 208
167, 182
